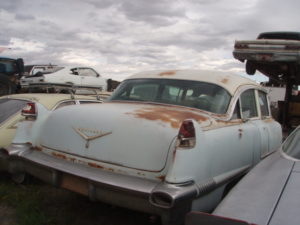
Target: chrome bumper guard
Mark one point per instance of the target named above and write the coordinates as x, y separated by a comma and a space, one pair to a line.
116, 189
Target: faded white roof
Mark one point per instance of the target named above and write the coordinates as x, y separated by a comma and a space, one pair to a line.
229, 81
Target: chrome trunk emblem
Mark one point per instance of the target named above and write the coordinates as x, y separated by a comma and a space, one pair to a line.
89, 134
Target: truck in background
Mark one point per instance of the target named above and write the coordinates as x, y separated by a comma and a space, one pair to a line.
11, 70
276, 55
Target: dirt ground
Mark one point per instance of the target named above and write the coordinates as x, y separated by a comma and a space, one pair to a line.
62, 207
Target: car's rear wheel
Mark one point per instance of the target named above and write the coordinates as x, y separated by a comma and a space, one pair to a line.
19, 178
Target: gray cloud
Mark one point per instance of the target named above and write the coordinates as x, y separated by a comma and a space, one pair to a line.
11, 5
122, 36
24, 17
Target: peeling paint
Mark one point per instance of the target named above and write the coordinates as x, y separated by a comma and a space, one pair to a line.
167, 115
269, 120
167, 73
38, 148
95, 165
225, 80
162, 177
59, 155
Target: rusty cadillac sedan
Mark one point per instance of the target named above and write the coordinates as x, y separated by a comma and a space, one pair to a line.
165, 143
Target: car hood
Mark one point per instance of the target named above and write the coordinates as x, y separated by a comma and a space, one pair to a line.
138, 136
267, 194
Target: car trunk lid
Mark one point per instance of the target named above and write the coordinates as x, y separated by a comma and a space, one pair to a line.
137, 136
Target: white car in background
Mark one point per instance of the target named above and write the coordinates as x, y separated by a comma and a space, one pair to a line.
70, 76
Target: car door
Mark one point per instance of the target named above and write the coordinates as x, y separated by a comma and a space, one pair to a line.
250, 110
89, 77
71, 76
271, 127
237, 151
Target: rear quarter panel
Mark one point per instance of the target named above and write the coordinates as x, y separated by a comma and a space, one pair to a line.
217, 151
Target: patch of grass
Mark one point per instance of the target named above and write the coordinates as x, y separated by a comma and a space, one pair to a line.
36, 203
26, 200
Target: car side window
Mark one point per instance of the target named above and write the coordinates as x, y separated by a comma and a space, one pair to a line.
88, 102
237, 112
263, 102
248, 104
74, 71
65, 104
87, 72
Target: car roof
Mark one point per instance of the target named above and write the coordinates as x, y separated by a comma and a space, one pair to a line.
229, 81
49, 100
284, 35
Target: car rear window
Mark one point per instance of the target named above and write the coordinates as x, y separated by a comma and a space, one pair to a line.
205, 96
8, 107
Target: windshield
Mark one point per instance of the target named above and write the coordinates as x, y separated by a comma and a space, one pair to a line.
195, 94
9, 107
291, 146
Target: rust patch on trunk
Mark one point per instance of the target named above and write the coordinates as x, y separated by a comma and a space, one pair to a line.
167, 115
167, 73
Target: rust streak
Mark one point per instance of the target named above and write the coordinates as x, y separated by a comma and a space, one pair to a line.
58, 155
38, 148
95, 165
162, 177
174, 154
167, 115
167, 73
110, 169
269, 120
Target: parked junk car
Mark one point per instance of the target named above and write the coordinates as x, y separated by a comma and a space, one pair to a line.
165, 143
11, 70
268, 194
14, 108
30, 70
73, 76
272, 53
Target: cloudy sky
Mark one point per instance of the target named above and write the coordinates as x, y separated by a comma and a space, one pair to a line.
121, 37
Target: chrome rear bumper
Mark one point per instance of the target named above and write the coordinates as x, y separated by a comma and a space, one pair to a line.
117, 189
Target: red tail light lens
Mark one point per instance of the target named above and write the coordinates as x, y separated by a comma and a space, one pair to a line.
187, 136
30, 110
